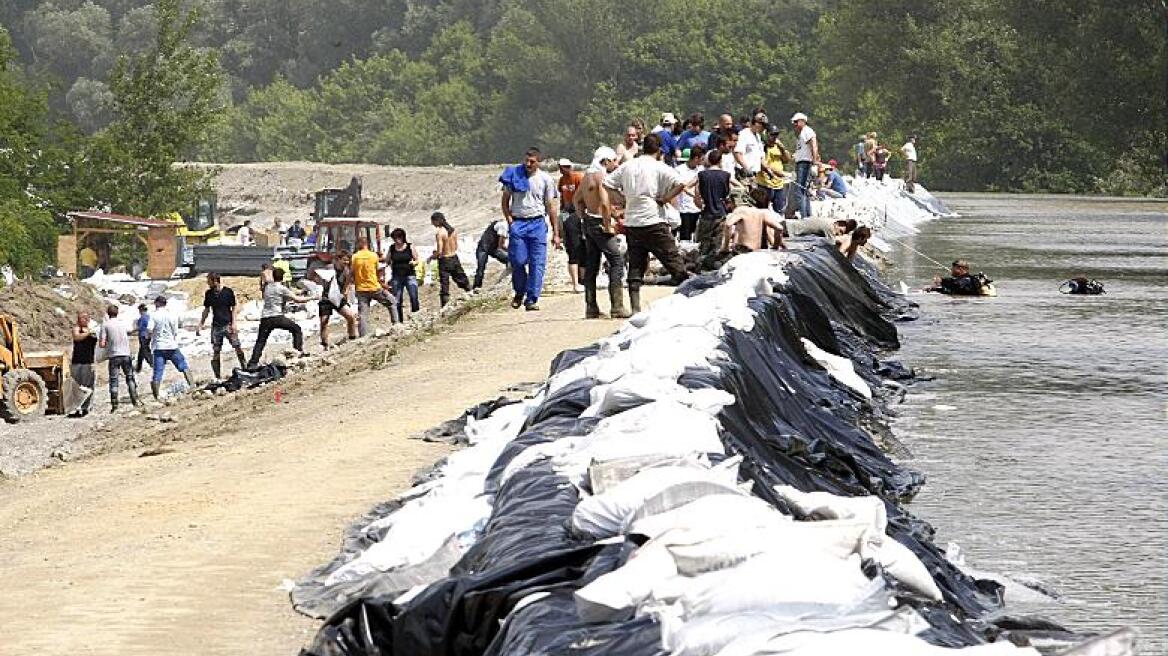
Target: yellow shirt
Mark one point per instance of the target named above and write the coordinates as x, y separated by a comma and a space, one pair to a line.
88, 257
774, 160
365, 271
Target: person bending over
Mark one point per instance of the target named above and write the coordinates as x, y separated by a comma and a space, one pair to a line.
335, 297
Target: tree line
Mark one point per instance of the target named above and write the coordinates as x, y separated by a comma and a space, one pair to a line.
1017, 95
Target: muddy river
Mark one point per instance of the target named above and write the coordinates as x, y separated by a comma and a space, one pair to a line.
1044, 434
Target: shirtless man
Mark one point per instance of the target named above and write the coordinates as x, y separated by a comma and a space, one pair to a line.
600, 238
818, 227
446, 252
743, 230
851, 242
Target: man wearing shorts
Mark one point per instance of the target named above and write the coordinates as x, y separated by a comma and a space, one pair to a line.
335, 298
219, 302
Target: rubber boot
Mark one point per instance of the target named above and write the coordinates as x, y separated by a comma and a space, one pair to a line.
591, 308
215, 366
242, 359
635, 300
616, 298
154, 388
190, 379
113, 406
134, 400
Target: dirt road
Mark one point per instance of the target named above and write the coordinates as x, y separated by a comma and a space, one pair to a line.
184, 553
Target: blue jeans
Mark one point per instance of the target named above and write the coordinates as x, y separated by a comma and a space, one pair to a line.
778, 201
527, 250
162, 356
400, 287
802, 180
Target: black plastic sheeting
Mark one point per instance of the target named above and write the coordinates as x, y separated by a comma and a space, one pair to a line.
793, 424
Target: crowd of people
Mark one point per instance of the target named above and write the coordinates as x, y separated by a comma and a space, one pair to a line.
689, 197
731, 189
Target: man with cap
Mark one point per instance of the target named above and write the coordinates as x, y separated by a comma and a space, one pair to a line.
771, 177
528, 205
647, 185
749, 150
669, 137
806, 154
572, 227
600, 238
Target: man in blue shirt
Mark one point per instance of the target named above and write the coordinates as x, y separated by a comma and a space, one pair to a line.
835, 181
695, 135
669, 140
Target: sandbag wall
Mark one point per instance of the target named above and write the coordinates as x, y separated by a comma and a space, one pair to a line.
704, 481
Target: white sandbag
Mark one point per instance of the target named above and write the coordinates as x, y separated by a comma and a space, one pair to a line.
603, 476
604, 515
816, 581
825, 505
706, 636
839, 368
719, 513
869, 642
637, 389
901, 564
898, 561
613, 595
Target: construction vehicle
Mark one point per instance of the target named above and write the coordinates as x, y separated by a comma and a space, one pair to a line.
346, 202
31, 384
199, 225
341, 234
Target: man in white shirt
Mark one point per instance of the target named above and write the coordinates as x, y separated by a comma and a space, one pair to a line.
686, 205
806, 154
244, 234
164, 346
909, 150
647, 185
748, 152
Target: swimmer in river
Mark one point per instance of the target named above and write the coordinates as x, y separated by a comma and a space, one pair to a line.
961, 283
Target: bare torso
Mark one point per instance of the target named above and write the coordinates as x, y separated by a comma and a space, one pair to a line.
445, 242
588, 193
748, 224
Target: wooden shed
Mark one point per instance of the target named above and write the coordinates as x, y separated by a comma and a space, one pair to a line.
159, 237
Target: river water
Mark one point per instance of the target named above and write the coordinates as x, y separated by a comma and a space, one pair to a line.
1044, 436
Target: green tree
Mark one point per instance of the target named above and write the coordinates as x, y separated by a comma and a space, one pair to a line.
166, 99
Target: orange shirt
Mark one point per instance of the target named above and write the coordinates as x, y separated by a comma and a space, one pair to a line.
568, 185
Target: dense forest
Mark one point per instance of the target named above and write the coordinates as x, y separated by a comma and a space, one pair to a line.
96, 95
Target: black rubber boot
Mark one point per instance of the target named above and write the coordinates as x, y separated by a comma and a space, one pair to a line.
215, 366
154, 387
635, 300
591, 308
616, 298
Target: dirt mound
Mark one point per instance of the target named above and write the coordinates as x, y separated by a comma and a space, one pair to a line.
45, 312
246, 288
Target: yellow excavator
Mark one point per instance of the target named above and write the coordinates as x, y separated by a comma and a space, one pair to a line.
198, 226
31, 384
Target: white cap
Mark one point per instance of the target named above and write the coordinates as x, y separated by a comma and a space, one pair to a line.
565, 162
668, 118
603, 153
799, 116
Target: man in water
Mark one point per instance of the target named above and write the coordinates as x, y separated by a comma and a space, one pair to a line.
600, 238
446, 252
529, 205
116, 342
646, 184
572, 227
745, 227
492, 243
369, 287
219, 301
272, 318
335, 297
959, 282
